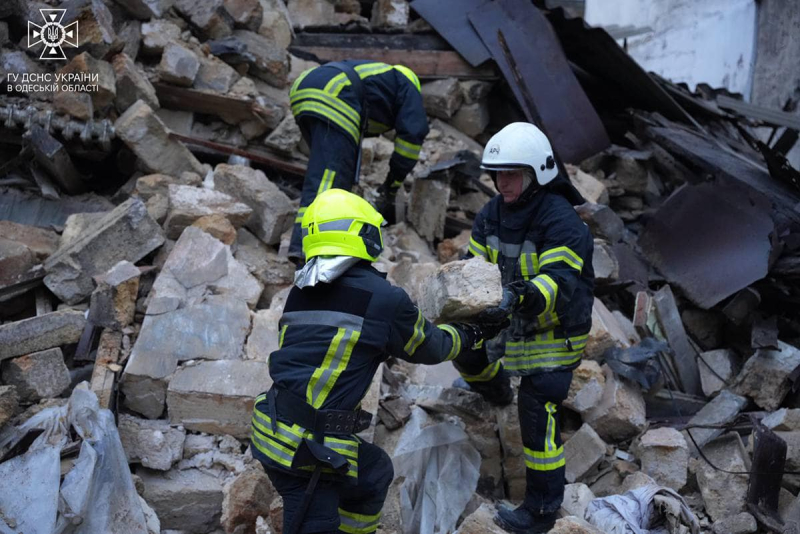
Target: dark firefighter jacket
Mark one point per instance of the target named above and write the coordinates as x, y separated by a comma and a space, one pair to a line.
393, 101
332, 339
544, 241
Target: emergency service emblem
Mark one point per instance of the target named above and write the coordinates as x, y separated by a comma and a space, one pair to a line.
53, 34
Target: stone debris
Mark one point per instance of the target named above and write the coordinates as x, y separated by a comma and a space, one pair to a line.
37, 376
743, 523
460, 289
576, 499
9, 404
664, 455
113, 303
480, 522
51, 330
765, 377
583, 452
154, 444
245, 499
717, 370
188, 204
620, 414
724, 494
185, 500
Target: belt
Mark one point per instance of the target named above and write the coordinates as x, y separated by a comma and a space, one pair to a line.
296, 410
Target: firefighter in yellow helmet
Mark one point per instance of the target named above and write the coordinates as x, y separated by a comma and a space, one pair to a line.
341, 320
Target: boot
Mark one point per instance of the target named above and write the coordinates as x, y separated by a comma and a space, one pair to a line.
523, 521
496, 391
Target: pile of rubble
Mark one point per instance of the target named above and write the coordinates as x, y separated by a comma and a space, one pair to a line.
137, 257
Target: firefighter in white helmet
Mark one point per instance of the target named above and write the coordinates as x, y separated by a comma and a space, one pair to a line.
544, 252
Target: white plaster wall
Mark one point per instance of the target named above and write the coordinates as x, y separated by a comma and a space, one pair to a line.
693, 41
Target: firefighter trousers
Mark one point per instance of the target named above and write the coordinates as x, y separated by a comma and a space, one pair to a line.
339, 506
538, 401
332, 164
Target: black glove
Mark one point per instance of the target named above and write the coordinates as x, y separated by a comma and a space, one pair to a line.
481, 330
387, 194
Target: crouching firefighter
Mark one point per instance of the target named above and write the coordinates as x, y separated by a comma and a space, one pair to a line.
544, 252
336, 105
341, 320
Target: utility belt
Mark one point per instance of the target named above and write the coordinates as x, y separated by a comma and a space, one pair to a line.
295, 409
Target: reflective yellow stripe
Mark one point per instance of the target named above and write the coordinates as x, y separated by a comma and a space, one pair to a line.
300, 213
327, 181
358, 523
485, 375
337, 83
348, 350
283, 333
565, 254
339, 105
315, 377
376, 127
406, 149
550, 434
455, 350
417, 337
330, 114
528, 265
544, 460
493, 253
476, 248
410, 74
299, 80
371, 69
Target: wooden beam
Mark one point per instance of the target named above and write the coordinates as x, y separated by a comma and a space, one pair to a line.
235, 109
425, 63
106, 366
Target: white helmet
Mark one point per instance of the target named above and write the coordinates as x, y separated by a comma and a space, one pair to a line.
521, 144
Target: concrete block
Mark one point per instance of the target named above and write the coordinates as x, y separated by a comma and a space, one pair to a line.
620, 415
245, 498
785, 419
144, 133
602, 221
217, 226
126, 233
460, 290
77, 105
723, 409
41, 333
187, 204
743, 523
16, 260
132, 84
765, 376
722, 364
187, 500
272, 211
157, 34
9, 404
480, 522
178, 66
576, 499
40, 375
583, 451
724, 495
604, 263
85, 64
215, 75
427, 208
268, 61
586, 388
592, 189
304, 13
154, 444
113, 303
472, 119
442, 98
209, 17
217, 397
42, 242
665, 456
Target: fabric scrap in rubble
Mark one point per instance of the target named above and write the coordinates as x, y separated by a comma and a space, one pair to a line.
650, 509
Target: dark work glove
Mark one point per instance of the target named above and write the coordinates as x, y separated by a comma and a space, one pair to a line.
481, 331
387, 194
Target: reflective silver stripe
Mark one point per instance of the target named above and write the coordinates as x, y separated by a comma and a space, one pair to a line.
273, 449
544, 461
359, 526
352, 447
509, 250
337, 359
322, 318
341, 225
528, 247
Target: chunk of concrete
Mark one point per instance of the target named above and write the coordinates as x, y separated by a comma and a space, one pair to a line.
210, 17
144, 133
460, 290
442, 98
574, 525
217, 226
213, 330
665, 456
785, 419
583, 451
239, 284
390, 14
274, 271
716, 370
215, 75
186, 500
42, 242
154, 444
245, 13
40, 375
41, 333
126, 233
590, 188
606, 332
285, 137
586, 388
272, 211
723, 409
76, 225
268, 61
16, 260
75, 104
113, 303
635, 481
264, 337
576, 499
602, 221
481, 521
743, 523
217, 397
604, 263
245, 498
178, 66
187, 204
472, 119
725, 495
412, 277
304, 13
9, 404
427, 210
157, 34
106, 90
132, 85
406, 242
620, 415
765, 376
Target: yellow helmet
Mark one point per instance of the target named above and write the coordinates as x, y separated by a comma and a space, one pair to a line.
408, 73
339, 223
